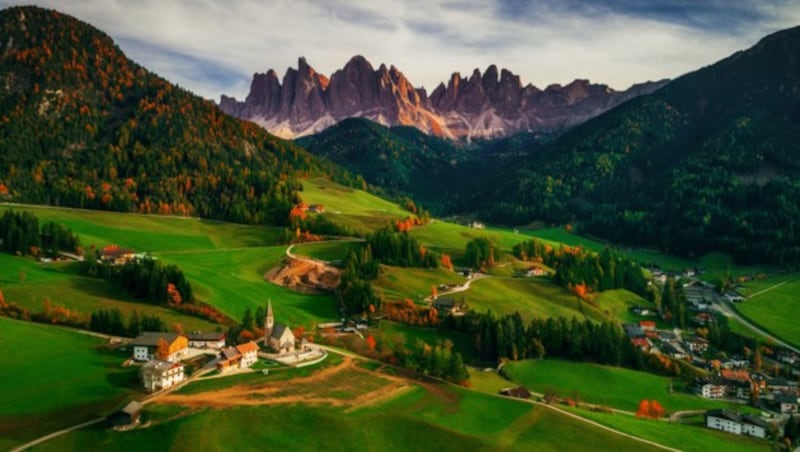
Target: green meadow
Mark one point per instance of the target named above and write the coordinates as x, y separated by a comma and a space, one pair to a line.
773, 304
29, 283
413, 283
446, 418
614, 387
59, 377
694, 438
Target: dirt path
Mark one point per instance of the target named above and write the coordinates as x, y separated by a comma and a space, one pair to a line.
463, 287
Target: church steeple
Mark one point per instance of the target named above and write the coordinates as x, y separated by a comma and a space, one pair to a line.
269, 322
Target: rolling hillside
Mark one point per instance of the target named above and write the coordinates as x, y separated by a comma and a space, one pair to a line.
111, 135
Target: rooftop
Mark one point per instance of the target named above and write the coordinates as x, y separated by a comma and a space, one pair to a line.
150, 339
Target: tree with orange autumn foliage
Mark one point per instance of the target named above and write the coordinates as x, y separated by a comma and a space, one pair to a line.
446, 262
173, 294
650, 409
162, 350
370, 343
434, 293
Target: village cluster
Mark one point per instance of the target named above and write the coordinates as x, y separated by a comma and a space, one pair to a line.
162, 354
734, 377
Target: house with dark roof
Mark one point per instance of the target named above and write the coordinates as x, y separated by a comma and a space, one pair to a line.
787, 403
229, 358
212, 340
731, 422
127, 415
520, 392
282, 339
145, 346
755, 426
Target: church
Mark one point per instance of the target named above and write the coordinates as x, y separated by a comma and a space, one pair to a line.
278, 337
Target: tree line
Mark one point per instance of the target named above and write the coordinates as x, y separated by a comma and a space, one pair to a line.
597, 272
20, 233
112, 321
145, 278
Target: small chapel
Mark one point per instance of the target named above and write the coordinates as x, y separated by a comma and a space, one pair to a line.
278, 337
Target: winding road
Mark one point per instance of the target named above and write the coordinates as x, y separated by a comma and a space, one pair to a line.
727, 310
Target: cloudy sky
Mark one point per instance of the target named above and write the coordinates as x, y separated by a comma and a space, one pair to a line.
214, 46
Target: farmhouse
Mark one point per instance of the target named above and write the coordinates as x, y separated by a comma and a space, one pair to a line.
278, 337
198, 339
157, 375
447, 305
713, 389
249, 353
145, 347
647, 325
116, 255
730, 422
229, 358
316, 208
520, 392
129, 414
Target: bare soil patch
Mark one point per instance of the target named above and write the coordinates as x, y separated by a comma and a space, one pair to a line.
305, 276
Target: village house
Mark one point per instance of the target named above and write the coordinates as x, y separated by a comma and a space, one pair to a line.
713, 389
787, 403
641, 342
279, 338
215, 340
520, 392
787, 358
733, 297
249, 353
697, 344
115, 255
647, 325
316, 208
157, 375
145, 346
447, 305
229, 358
731, 422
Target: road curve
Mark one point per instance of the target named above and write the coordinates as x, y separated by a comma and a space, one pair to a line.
728, 311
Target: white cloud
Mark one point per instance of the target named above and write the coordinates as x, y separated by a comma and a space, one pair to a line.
213, 47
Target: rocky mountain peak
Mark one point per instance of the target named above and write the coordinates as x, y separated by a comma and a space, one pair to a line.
490, 104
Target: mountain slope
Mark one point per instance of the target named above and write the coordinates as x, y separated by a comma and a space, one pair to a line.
402, 160
81, 125
709, 162
487, 105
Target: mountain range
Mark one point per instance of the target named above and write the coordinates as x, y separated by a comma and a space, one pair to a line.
484, 105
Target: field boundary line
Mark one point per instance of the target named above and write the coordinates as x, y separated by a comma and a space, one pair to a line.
768, 289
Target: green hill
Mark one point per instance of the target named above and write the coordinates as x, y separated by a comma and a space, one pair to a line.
111, 135
708, 163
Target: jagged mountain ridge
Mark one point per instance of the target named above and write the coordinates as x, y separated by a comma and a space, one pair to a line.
489, 105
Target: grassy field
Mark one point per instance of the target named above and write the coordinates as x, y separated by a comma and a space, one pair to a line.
435, 417
356, 209
677, 435
413, 283
59, 283
59, 378
532, 297
487, 381
615, 304
614, 387
773, 307
233, 280
327, 251
153, 232
462, 343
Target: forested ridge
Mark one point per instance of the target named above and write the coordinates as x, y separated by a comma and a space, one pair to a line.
709, 162
81, 125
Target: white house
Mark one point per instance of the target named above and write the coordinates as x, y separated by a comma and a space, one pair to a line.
157, 375
249, 352
788, 403
755, 426
145, 347
215, 340
731, 422
724, 420
713, 390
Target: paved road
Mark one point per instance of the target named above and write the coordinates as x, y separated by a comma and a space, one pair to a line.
728, 311
58, 433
